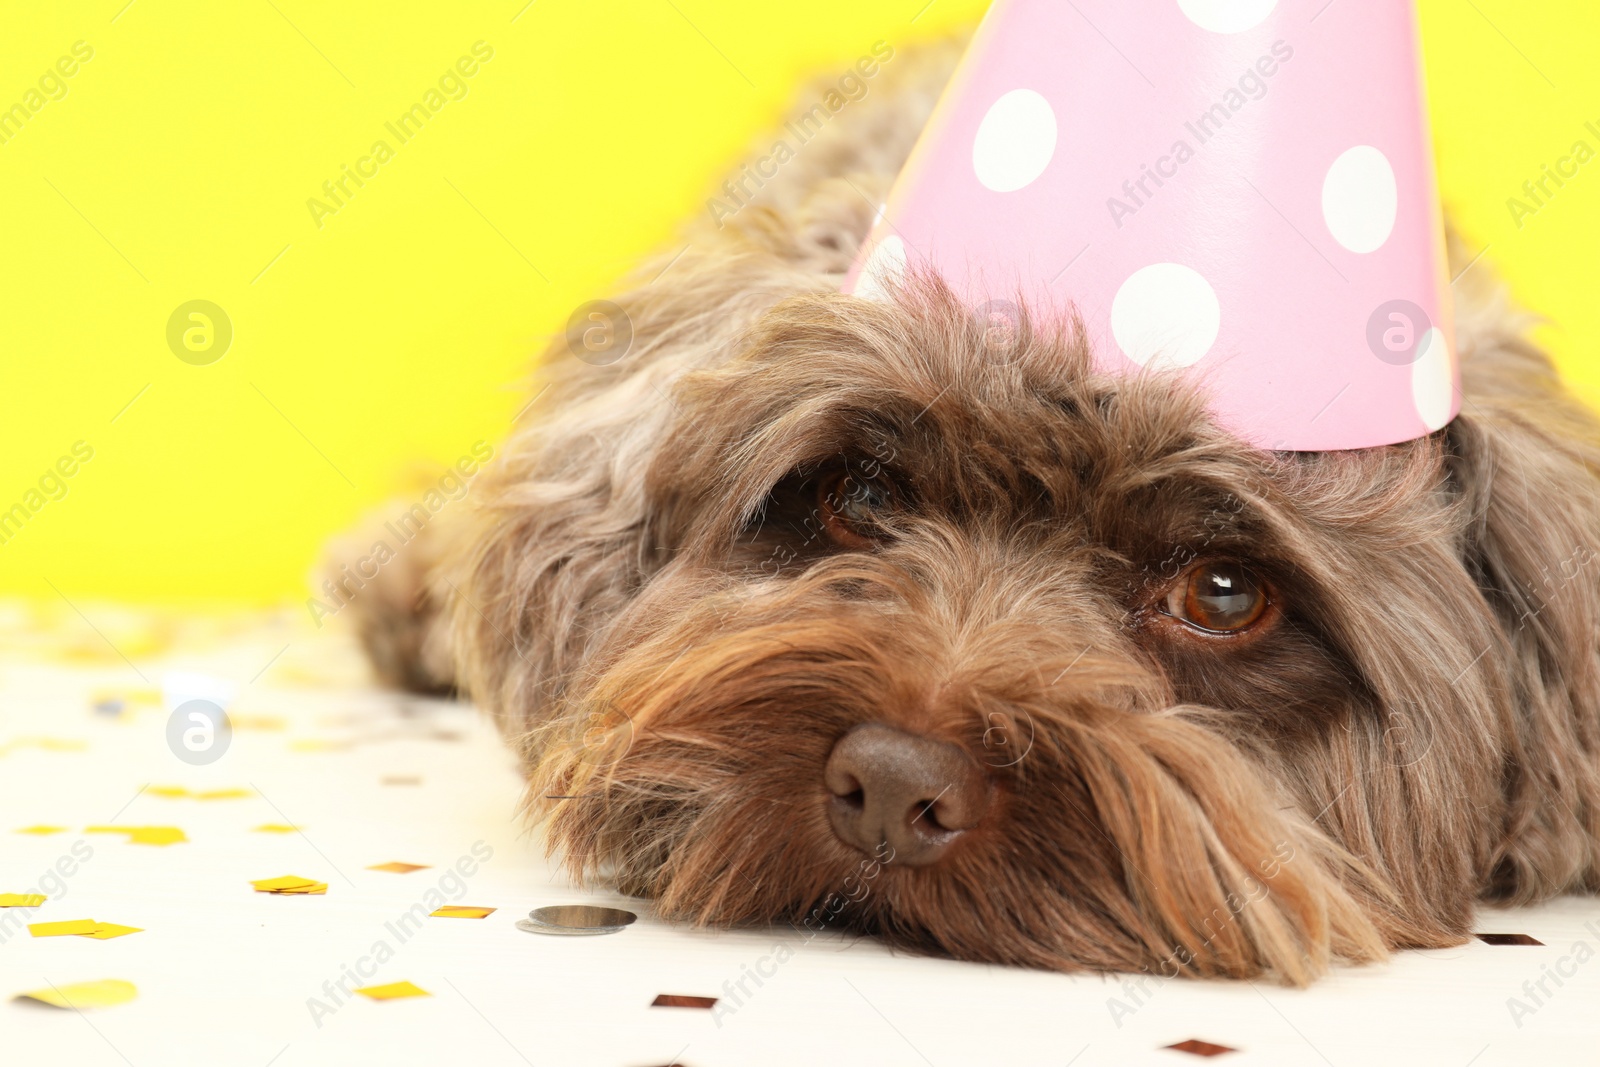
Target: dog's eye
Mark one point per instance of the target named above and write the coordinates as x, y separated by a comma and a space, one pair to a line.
852, 506
1218, 597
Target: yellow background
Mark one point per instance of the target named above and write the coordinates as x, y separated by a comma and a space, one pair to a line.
179, 163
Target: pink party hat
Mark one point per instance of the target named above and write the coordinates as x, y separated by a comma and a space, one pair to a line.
1241, 190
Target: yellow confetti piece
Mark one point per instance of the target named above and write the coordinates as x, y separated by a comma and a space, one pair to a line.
63, 929
222, 794
291, 885
462, 911
102, 994
48, 744
166, 791
275, 828
21, 900
393, 991
143, 835
399, 868
258, 722
313, 744
42, 831
106, 931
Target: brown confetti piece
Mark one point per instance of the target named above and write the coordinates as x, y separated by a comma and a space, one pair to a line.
80, 995
274, 828
1195, 1047
399, 868
42, 830
402, 779
21, 900
678, 1000
462, 911
1507, 939
393, 991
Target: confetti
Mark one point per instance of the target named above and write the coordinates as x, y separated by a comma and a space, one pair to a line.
106, 931
402, 779
176, 791
42, 830
291, 885
399, 868
166, 791
48, 744
21, 900
1196, 1047
678, 1000
102, 994
462, 911
259, 722
143, 835
314, 744
63, 929
275, 828
393, 991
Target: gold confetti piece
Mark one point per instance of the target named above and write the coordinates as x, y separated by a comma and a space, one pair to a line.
166, 791
399, 868
462, 911
106, 931
21, 900
42, 830
258, 722
275, 828
102, 994
48, 744
320, 889
143, 835
62, 929
393, 991
222, 794
287, 881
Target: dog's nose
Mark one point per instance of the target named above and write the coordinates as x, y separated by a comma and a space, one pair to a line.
913, 793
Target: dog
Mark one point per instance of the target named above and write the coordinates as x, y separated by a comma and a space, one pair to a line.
862, 615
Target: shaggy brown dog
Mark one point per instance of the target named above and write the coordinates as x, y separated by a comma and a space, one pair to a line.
862, 615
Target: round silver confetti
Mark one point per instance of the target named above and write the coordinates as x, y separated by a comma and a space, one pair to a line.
575, 920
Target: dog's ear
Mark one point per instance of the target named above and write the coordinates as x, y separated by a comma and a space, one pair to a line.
1524, 457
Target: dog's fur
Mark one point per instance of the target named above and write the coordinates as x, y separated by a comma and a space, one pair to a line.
645, 606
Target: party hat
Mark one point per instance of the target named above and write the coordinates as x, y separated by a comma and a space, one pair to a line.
1240, 190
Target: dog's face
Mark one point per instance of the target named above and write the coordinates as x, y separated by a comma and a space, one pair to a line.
941, 636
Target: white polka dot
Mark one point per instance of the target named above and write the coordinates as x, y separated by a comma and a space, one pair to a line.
1016, 141
1360, 199
1166, 315
884, 269
1227, 16
1433, 380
